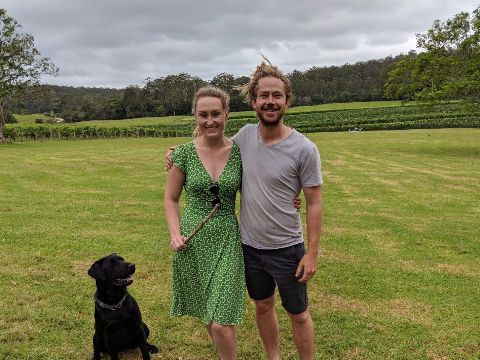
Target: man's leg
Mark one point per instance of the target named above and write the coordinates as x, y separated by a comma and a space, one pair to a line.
267, 324
294, 298
303, 334
261, 289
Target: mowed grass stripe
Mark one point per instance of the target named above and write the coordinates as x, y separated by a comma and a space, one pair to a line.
397, 279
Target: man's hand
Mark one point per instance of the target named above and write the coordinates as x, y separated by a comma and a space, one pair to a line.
168, 158
306, 268
177, 243
308, 264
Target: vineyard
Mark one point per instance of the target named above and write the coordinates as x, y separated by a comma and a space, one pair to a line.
367, 119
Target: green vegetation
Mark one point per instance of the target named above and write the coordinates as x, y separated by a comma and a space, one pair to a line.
20, 64
332, 117
405, 117
448, 68
344, 106
397, 279
179, 119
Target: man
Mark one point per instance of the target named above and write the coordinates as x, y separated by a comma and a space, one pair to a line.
278, 162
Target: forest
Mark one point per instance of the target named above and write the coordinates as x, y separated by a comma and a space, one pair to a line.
171, 95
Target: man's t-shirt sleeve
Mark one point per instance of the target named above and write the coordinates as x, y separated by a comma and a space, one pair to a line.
310, 169
239, 137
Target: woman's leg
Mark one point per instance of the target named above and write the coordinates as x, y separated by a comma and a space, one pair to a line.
225, 340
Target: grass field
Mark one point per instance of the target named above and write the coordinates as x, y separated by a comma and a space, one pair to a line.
398, 277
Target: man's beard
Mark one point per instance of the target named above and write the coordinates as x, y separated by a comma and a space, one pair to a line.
270, 122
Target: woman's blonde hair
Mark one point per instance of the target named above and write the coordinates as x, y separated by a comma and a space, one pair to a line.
265, 69
209, 91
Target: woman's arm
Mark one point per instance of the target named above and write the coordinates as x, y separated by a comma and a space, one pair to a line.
175, 181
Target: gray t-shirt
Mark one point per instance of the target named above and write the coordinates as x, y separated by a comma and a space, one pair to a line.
273, 175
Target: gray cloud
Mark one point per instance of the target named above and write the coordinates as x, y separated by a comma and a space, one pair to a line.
115, 43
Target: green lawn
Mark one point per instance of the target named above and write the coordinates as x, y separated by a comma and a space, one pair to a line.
28, 118
398, 277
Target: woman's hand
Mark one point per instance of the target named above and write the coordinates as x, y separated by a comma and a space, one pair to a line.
297, 203
177, 243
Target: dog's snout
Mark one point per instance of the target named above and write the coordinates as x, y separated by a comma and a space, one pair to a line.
131, 268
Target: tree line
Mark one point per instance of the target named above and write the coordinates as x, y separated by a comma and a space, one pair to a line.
172, 94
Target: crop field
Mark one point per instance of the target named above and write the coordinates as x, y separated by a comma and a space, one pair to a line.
398, 277
331, 117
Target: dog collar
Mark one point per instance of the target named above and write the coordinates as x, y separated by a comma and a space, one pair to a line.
107, 306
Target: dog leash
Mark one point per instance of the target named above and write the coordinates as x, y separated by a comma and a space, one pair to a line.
109, 307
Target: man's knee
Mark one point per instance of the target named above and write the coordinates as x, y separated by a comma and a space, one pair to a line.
264, 306
300, 319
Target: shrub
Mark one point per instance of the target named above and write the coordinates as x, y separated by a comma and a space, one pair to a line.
10, 118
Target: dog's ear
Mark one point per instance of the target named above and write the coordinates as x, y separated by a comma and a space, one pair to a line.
96, 271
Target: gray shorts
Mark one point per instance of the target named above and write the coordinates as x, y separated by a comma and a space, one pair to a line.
265, 269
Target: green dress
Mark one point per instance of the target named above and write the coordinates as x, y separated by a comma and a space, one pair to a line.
209, 275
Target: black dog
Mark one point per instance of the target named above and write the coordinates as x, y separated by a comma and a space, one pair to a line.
118, 323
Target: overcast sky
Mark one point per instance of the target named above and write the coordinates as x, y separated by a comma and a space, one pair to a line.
116, 43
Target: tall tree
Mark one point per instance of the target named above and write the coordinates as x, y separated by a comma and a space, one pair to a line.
223, 81
130, 101
228, 83
20, 63
172, 93
448, 68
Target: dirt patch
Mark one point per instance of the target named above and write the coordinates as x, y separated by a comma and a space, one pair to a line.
81, 267
336, 162
409, 265
354, 353
338, 303
414, 312
342, 257
457, 269
386, 181
387, 247
334, 230
404, 309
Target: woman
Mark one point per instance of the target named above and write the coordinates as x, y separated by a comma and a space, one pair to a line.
208, 274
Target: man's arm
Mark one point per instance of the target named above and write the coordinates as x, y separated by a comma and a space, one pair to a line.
308, 265
168, 158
